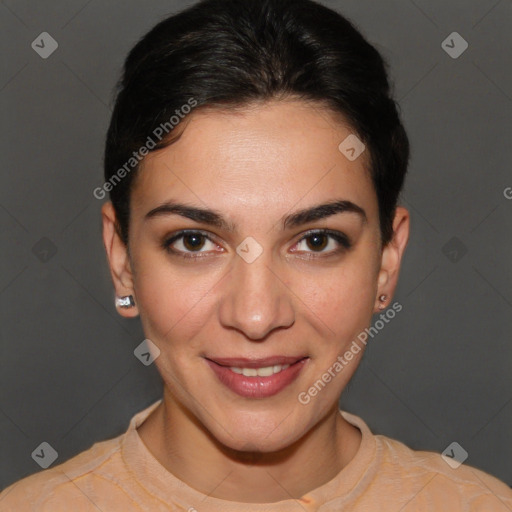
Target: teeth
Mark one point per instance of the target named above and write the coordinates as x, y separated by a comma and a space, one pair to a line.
259, 372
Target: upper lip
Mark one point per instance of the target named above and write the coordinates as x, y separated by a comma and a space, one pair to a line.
243, 362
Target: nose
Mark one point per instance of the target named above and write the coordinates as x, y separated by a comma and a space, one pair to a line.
255, 300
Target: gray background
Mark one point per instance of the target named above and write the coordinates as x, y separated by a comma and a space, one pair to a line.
441, 371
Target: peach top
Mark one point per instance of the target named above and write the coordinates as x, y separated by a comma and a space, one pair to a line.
122, 475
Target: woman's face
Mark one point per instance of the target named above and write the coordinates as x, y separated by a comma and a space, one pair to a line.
256, 276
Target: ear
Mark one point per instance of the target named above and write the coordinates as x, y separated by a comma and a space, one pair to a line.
391, 258
118, 259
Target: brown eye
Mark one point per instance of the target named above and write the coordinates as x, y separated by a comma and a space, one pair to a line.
317, 241
191, 245
193, 241
323, 243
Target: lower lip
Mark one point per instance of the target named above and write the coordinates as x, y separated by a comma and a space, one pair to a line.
257, 387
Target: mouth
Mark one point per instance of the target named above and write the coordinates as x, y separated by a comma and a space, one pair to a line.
243, 362
257, 378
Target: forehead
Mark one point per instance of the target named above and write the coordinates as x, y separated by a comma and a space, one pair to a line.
263, 158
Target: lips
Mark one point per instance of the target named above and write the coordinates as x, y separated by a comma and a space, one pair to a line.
242, 362
259, 386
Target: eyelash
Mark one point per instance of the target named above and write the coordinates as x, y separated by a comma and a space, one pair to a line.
340, 238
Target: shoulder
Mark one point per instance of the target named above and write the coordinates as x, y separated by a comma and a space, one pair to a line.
60, 486
394, 476
444, 479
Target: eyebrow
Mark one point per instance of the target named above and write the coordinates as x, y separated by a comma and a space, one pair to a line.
215, 219
323, 211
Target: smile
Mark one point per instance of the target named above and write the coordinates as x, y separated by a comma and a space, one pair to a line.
258, 382
259, 372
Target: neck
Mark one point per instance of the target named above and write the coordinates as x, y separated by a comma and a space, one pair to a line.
186, 449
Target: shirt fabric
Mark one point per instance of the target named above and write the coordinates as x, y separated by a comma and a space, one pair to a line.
122, 475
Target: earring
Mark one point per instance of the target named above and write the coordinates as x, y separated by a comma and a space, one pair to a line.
125, 302
382, 300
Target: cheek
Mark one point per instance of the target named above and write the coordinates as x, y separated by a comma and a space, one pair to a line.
173, 302
340, 301
173, 311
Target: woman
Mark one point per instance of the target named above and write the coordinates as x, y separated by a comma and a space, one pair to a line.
254, 162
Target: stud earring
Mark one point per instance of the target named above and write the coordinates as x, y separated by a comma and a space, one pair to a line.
382, 300
125, 302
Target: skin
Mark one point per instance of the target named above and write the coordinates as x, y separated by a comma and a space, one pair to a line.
254, 167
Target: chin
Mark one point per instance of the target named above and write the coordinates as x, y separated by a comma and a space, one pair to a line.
258, 438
